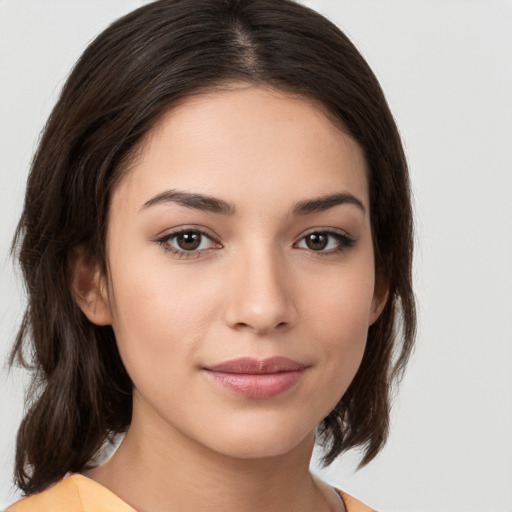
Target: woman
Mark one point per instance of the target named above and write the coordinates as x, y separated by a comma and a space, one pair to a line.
217, 243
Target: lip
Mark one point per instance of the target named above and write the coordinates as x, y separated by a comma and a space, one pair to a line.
257, 378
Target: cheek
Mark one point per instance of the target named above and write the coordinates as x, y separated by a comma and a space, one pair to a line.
160, 315
341, 301
339, 311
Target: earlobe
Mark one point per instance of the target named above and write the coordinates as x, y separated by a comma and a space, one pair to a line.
88, 287
380, 298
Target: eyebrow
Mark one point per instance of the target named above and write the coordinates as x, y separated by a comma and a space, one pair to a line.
215, 205
191, 200
323, 203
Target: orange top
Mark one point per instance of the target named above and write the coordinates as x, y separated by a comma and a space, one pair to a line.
77, 493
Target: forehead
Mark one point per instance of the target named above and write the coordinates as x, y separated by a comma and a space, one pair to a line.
244, 142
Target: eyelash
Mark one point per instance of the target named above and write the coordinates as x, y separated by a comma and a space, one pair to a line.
344, 240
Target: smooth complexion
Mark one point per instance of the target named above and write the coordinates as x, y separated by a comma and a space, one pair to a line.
242, 233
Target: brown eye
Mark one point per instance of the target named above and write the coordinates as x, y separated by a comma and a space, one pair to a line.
317, 241
326, 242
189, 240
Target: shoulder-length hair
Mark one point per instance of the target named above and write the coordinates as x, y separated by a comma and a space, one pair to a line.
131, 74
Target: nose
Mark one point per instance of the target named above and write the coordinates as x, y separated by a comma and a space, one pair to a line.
261, 296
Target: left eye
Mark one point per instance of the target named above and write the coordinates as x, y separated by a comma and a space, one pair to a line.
325, 241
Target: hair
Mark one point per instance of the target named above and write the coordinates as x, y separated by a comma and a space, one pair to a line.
130, 75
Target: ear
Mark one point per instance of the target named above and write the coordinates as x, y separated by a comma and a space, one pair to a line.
380, 297
88, 286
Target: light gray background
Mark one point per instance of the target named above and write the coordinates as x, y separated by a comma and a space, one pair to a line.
446, 67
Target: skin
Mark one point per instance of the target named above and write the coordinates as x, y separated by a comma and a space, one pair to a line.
255, 288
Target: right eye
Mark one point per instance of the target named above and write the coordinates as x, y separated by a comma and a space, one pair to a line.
188, 242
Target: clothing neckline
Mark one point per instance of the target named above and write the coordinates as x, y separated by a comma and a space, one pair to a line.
79, 478
79, 493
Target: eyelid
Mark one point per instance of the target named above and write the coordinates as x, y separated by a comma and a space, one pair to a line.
325, 229
184, 228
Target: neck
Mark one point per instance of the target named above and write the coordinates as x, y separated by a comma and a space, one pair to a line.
170, 473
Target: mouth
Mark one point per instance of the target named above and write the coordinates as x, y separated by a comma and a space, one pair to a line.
257, 379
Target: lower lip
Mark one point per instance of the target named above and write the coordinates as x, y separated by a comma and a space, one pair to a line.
259, 386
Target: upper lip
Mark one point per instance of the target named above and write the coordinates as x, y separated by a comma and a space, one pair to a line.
249, 365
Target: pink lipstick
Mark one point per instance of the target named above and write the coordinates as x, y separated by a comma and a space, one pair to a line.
254, 378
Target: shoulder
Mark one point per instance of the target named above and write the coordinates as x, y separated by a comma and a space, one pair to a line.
352, 504
75, 493
61, 496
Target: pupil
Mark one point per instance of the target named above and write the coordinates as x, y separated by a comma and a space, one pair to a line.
189, 241
316, 241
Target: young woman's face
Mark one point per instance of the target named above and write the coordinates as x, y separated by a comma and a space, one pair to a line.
241, 281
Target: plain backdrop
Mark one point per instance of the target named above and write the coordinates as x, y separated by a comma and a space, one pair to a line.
446, 68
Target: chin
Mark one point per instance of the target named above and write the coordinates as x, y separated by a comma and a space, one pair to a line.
261, 440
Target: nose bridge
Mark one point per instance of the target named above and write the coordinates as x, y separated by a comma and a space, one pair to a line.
261, 299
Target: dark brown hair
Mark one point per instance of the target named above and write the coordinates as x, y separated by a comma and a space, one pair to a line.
132, 73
